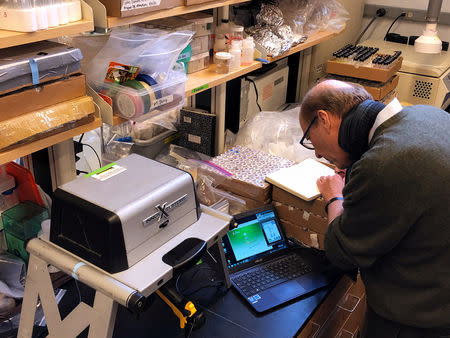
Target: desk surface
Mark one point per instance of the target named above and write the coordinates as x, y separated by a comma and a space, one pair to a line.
226, 316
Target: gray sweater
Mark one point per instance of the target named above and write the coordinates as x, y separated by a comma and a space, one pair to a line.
396, 221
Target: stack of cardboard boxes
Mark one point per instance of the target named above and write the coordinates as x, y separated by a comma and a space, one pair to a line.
42, 92
245, 170
303, 220
377, 72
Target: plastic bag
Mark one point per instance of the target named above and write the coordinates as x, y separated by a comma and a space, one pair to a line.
307, 17
277, 133
154, 51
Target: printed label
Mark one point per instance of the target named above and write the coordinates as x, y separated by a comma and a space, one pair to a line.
187, 119
129, 5
161, 101
106, 172
194, 139
305, 215
120, 73
163, 210
195, 90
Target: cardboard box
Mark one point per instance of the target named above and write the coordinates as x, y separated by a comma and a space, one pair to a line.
47, 94
322, 313
316, 207
242, 188
302, 218
237, 206
378, 90
349, 307
47, 121
363, 72
124, 8
304, 235
341, 314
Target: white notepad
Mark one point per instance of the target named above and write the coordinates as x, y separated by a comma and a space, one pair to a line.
300, 179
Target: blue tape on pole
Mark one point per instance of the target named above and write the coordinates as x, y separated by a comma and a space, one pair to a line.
34, 71
75, 268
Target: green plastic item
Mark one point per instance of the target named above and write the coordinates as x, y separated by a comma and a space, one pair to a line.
24, 220
16, 247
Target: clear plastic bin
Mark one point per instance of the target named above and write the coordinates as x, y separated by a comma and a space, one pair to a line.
24, 220
197, 63
202, 22
143, 98
199, 45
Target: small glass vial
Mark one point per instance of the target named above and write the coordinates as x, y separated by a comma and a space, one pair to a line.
248, 49
223, 62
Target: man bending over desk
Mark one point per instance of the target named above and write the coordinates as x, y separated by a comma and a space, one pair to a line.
390, 216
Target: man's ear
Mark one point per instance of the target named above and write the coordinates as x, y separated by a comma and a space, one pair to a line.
324, 118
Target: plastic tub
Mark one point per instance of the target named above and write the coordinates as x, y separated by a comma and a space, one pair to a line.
144, 97
152, 147
24, 220
198, 63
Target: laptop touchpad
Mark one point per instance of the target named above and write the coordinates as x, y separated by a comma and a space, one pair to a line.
287, 290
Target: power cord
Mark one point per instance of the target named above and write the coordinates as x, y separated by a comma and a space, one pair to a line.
256, 92
398, 17
379, 13
78, 148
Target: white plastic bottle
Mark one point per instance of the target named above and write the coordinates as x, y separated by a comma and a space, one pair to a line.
17, 16
52, 13
41, 14
235, 51
248, 50
63, 12
74, 10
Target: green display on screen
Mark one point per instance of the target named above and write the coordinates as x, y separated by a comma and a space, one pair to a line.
248, 240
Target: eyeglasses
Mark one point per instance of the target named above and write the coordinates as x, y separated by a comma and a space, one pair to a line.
306, 142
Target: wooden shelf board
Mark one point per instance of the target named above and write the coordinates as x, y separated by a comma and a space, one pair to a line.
164, 13
11, 38
312, 40
208, 78
32, 147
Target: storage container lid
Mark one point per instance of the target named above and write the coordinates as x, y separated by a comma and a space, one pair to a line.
223, 56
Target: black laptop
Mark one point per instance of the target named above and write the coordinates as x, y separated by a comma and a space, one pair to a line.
264, 268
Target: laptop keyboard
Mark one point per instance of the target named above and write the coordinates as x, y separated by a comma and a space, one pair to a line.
271, 274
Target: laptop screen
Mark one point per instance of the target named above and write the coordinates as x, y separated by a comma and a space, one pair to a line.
257, 235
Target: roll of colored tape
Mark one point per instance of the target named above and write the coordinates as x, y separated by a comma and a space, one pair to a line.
141, 96
129, 105
151, 82
151, 93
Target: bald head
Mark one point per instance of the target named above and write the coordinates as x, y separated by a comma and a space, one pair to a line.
333, 96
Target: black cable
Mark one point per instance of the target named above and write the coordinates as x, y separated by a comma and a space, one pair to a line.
398, 17
98, 158
256, 92
380, 12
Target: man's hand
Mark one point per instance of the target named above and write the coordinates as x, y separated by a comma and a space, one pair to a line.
330, 186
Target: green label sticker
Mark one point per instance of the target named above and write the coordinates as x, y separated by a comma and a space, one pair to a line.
106, 172
195, 90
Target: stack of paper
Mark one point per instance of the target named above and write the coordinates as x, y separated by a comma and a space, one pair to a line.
300, 179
